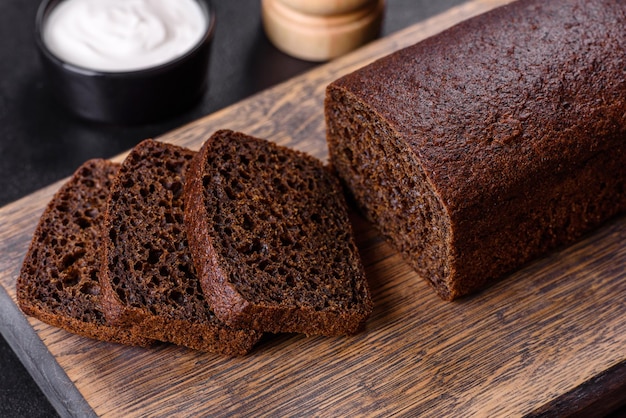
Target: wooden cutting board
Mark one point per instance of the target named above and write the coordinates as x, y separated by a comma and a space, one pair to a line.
550, 338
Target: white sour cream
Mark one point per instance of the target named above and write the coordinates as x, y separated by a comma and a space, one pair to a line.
123, 35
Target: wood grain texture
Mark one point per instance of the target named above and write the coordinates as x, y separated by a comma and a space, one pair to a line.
523, 346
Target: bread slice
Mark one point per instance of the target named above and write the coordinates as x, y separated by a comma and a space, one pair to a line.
148, 276
59, 280
271, 239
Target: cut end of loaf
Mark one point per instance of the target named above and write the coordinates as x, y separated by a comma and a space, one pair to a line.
389, 186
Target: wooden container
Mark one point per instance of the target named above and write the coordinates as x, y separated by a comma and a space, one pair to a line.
313, 34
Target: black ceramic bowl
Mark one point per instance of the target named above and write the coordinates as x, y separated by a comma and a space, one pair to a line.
130, 97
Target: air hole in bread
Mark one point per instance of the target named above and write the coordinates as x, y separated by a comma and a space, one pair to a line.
177, 297
248, 222
286, 240
279, 185
176, 187
154, 255
155, 281
244, 174
83, 222
121, 294
90, 289
230, 193
173, 164
70, 278
71, 258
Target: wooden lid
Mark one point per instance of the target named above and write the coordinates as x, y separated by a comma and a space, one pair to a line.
326, 7
320, 37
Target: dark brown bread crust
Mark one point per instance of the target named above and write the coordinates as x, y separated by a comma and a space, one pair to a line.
148, 276
491, 143
59, 280
271, 239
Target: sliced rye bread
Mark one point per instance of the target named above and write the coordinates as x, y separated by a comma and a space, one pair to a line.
59, 279
148, 276
270, 236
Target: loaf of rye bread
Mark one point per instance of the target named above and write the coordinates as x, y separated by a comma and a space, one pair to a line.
491, 143
59, 280
269, 231
148, 277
